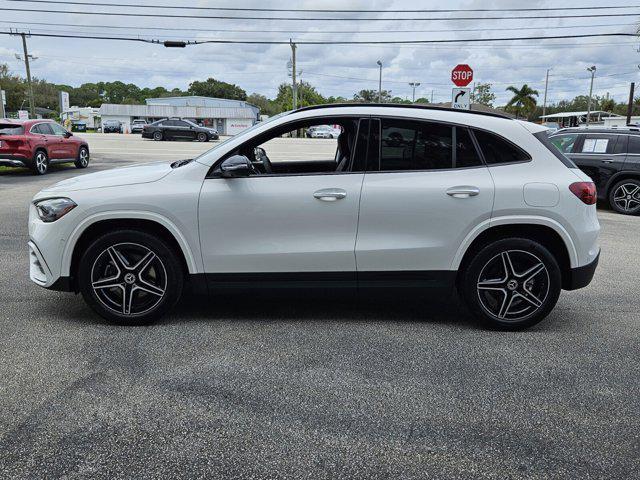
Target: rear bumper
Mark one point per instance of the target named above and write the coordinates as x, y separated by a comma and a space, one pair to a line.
580, 277
10, 160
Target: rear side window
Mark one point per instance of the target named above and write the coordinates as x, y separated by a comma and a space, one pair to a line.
634, 144
407, 145
598, 144
42, 129
497, 150
553, 148
11, 130
466, 153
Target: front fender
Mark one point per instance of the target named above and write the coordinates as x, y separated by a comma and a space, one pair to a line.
192, 264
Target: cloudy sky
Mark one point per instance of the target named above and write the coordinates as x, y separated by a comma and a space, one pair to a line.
333, 69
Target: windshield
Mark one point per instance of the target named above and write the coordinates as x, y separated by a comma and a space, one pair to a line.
243, 133
11, 130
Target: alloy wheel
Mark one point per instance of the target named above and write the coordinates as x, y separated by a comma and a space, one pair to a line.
129, 279
513, 285
84, 157
627, 197
41, 162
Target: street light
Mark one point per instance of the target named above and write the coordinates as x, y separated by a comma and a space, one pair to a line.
413, 85
591, 69
380, 82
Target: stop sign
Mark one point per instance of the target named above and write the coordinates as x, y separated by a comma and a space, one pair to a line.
462, 75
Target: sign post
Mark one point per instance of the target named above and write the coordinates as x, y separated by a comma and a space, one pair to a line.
3, 103
461, 76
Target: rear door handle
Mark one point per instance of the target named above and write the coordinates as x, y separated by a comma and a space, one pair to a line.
330, 194
463, 191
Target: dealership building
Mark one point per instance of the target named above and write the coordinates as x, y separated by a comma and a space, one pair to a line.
227, 116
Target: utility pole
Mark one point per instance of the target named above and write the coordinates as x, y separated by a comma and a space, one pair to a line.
294, 87
413, 85
2, 112
591, 69
380, 82
431, 96
546, 87
630, 104
32, 108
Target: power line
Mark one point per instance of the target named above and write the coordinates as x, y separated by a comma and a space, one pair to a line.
350, 32
325, 19
334, 42
326, 10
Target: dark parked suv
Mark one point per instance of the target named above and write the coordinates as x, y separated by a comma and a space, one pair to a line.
178, 129
611, 157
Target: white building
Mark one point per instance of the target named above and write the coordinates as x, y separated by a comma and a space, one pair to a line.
227, 116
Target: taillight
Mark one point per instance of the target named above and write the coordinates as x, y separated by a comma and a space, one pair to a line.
585, 191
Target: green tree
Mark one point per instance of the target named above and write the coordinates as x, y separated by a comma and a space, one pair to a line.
523, 100
307, 95
423, 100
217, 89
371, 96
15, 88
266, 106
608, 105
483, 95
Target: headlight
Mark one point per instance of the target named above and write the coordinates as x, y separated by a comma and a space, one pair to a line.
52, 209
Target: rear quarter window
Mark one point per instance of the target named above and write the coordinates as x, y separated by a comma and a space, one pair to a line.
497, 150
552, 146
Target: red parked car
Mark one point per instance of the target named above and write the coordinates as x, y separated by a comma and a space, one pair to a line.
38, 143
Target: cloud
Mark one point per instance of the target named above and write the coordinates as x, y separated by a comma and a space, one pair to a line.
333, 69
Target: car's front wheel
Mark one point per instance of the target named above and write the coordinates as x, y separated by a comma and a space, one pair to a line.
130, 276
624, 197
512, 283
83, 158
157, 136
202, 137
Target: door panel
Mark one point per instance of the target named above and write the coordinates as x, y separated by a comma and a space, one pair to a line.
600, 156
302, 223
417, 220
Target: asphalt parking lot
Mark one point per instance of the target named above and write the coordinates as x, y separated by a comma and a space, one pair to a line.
313, 387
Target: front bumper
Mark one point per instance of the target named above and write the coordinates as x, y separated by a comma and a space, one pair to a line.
580, 277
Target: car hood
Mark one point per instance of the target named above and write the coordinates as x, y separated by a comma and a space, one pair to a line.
135, 174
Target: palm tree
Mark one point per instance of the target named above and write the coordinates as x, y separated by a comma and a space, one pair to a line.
523, 99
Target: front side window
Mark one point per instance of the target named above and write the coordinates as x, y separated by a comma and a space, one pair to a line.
278, 151
634, 144
410, 145
57, 129
564, 143
497, 150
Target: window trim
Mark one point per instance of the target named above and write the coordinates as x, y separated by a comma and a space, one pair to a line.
358, 118
453, 126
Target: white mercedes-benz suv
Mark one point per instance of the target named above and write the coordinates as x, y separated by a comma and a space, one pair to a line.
406, 196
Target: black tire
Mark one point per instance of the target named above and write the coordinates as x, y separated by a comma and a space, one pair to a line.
202, 137
624, 197
113, 268
40, 163
157, 136
83, 158
515, 299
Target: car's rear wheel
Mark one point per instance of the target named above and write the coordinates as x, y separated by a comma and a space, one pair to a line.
202, 137
40, 164
157, 136
624, 197
512, 283
83, 158
130, 277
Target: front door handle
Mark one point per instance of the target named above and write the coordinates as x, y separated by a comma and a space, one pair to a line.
330, 194
463, 191
607, 160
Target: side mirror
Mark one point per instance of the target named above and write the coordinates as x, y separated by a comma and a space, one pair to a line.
236, 166
68, 134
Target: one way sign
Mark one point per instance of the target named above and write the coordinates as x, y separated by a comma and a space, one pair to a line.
460, 98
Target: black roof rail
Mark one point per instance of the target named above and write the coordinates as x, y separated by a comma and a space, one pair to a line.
402, 105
